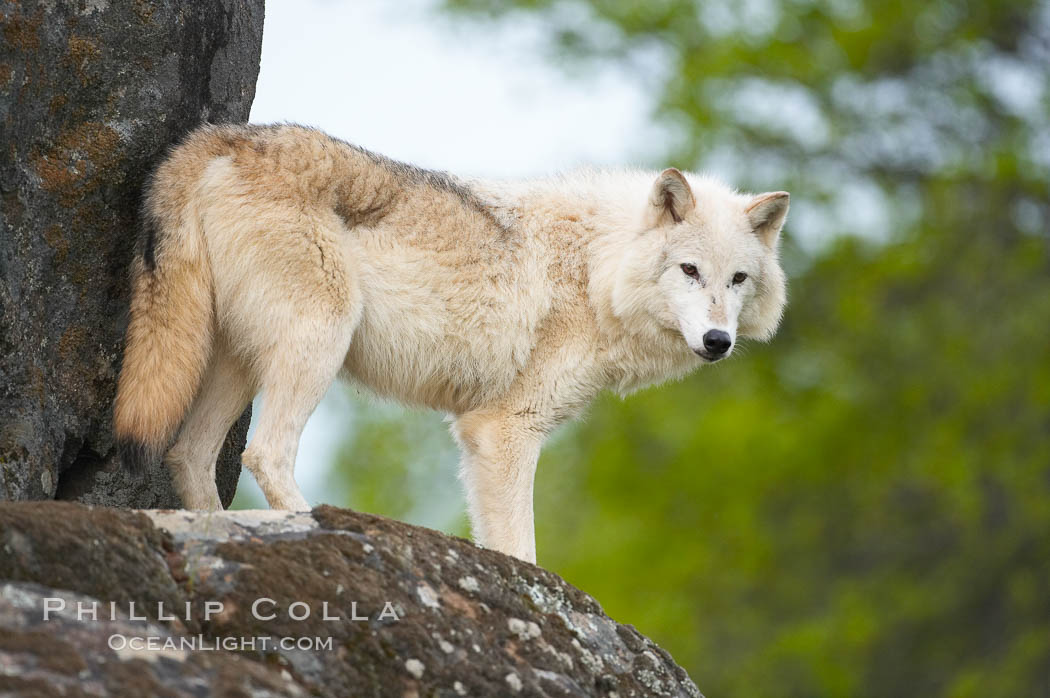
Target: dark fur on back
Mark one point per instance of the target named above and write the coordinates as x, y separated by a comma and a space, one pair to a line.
418, 176
437, 179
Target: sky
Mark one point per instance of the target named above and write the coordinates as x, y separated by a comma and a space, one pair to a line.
403, 81
407, 82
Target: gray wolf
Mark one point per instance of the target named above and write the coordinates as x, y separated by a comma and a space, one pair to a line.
275, 258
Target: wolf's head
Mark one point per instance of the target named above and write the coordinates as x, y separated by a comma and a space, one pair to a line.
710, 269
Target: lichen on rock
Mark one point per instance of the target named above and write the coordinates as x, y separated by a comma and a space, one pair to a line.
92, 94
380, 604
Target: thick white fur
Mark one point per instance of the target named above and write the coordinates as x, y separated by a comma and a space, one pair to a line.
511, 322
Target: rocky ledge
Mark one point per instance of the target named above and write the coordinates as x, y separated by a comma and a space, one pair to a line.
98, 601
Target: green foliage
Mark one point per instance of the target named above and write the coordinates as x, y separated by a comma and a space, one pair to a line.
861, 507
402, 463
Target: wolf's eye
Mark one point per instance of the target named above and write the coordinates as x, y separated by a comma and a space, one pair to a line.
739, 277
690, 270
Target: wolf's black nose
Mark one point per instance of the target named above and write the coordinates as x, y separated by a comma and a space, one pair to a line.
717, 342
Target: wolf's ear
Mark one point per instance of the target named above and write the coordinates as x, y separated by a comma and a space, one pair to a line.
671, 199
767, 213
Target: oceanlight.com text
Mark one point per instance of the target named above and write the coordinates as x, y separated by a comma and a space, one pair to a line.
199, 643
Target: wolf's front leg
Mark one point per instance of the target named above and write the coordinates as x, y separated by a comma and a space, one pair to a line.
499, 455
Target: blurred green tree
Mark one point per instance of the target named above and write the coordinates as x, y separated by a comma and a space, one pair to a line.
861, 507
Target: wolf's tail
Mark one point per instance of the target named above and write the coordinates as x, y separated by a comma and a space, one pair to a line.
169, 336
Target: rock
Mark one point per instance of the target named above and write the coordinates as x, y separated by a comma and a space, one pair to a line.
406, 610
66, 655
92, 93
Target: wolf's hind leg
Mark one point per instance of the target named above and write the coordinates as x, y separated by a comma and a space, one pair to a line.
294, 381
223, 395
